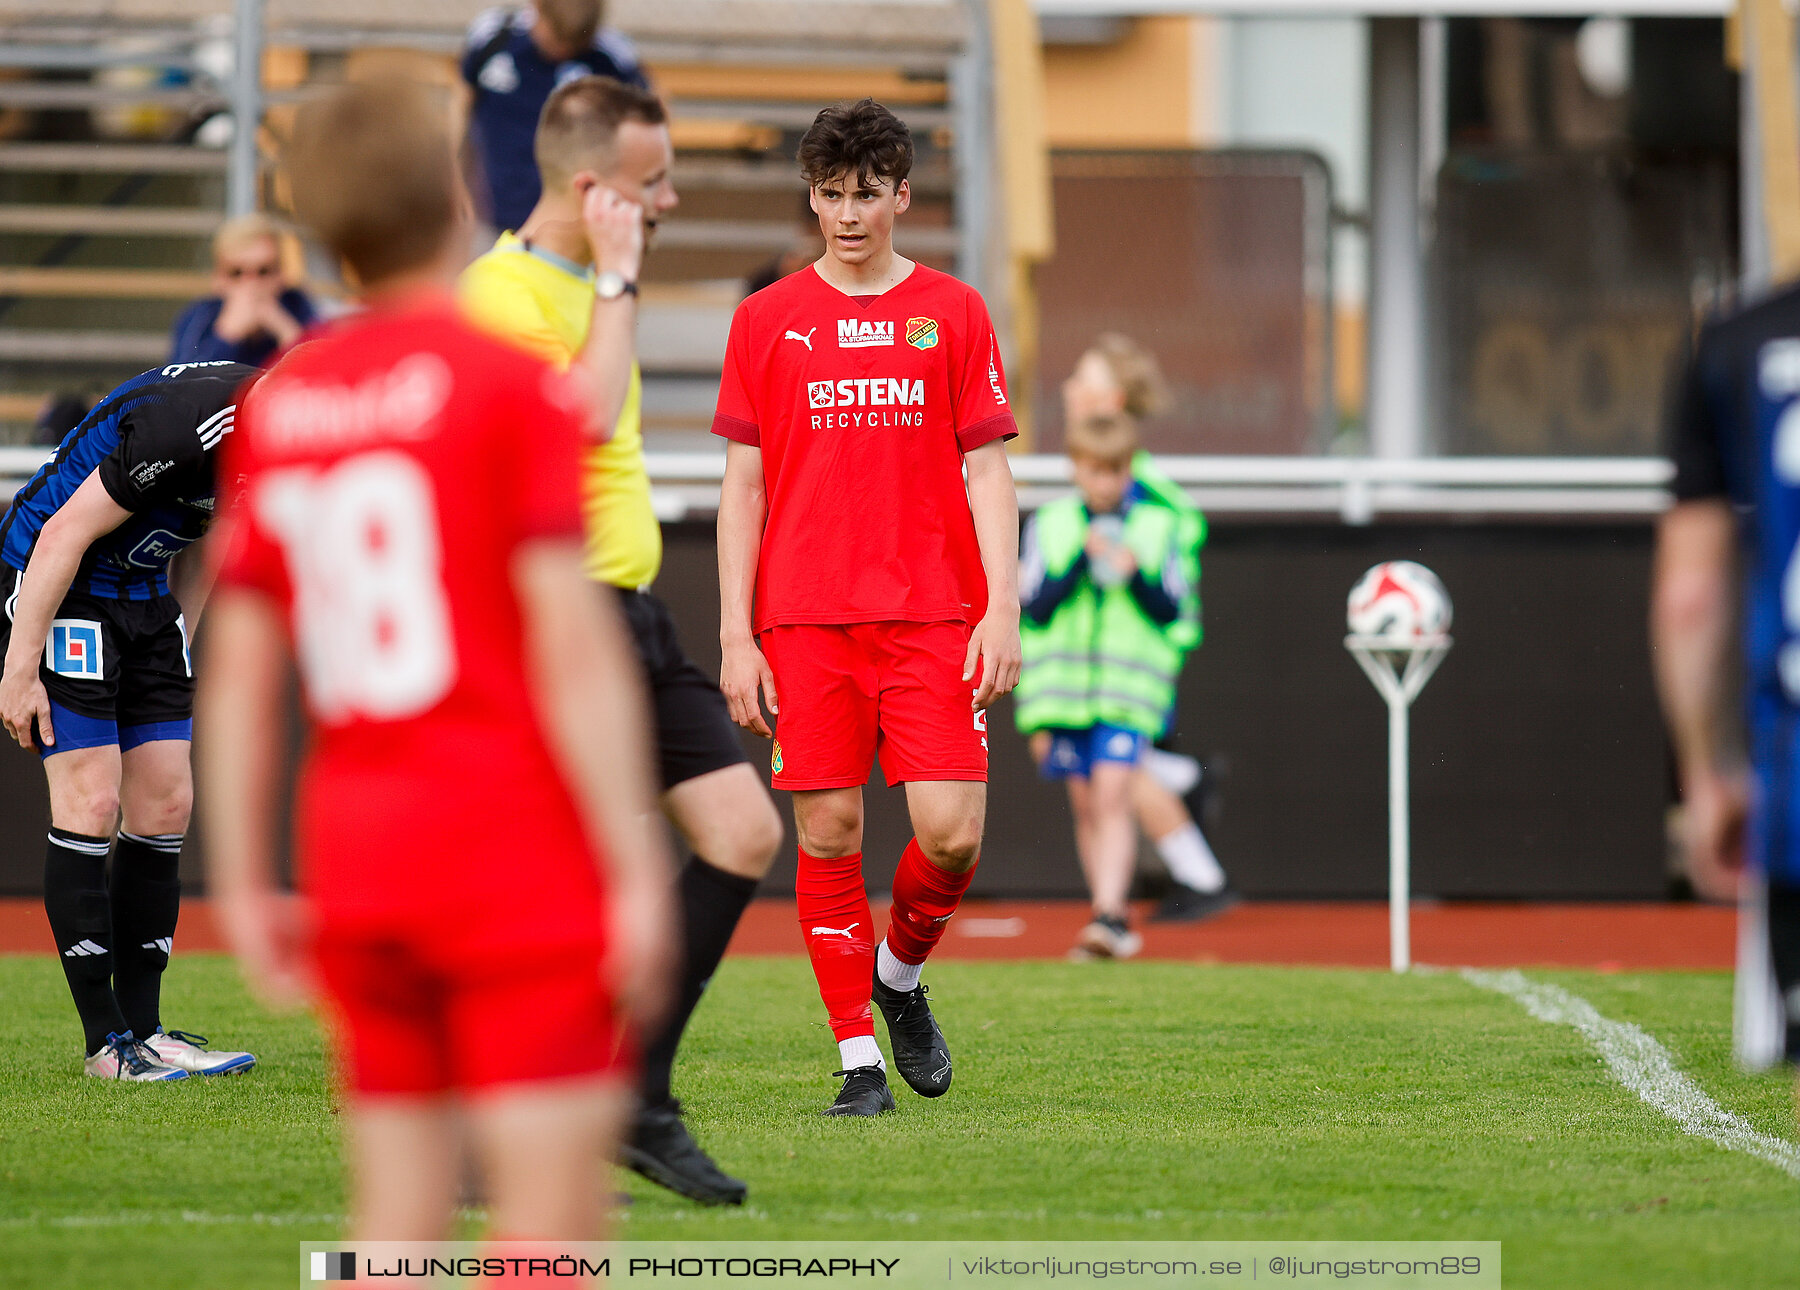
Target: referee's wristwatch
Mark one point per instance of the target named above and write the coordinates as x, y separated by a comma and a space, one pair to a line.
610, 286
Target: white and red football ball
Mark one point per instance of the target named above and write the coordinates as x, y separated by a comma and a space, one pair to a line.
1401, 602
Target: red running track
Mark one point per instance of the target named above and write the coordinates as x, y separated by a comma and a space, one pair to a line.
1609, 937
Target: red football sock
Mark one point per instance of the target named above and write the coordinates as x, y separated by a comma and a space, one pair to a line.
840, 938
924, 898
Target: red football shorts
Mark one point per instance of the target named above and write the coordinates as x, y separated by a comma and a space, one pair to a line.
854, 692
415, 1012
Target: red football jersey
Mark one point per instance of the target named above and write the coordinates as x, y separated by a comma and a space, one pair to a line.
863, 407
392, 465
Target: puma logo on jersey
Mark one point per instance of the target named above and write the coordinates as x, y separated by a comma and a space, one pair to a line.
836, 931
805, 340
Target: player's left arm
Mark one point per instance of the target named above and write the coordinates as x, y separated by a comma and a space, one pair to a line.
240, 719
1691, 634
994, 503
88, 515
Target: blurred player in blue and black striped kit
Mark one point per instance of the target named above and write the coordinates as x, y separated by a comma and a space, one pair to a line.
98, 680
1735, 439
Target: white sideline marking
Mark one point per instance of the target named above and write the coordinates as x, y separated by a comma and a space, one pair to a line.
1642, 1065
989, 928
163, 1218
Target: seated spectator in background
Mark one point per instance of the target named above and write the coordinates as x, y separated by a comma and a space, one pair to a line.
807, 246
254, 315
513, 60
61, 413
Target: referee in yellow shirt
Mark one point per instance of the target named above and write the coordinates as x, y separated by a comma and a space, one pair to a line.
564, 287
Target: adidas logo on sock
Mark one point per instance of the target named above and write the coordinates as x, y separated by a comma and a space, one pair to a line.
83, 949
164, 943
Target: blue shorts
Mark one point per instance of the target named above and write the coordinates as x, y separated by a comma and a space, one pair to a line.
1073, 752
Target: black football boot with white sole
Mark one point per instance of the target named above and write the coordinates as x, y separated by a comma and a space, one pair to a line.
920, 1053
865, 1092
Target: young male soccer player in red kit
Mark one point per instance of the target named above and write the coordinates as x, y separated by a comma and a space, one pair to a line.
867, 591
486, 911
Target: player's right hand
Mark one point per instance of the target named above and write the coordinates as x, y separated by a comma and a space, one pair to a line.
23, 700
266, 932
744, 678
615, 229
1716, 805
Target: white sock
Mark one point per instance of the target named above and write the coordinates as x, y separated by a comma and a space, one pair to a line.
1191, 862
1176, 772
859, 1050
894, 974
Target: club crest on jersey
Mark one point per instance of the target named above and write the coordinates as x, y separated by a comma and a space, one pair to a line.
1778, 368
73, 649
860, 333
921, 333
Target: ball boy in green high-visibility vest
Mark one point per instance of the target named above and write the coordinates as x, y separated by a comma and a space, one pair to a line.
1116, 374
1101, 581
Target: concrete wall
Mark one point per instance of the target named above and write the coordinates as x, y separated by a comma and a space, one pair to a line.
1540, 767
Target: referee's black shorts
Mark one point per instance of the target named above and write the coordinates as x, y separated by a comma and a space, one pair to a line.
694, 731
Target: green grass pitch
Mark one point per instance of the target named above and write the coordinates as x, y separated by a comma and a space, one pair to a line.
1142, 1100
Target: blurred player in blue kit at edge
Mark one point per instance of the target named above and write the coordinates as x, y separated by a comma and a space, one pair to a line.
1735, 440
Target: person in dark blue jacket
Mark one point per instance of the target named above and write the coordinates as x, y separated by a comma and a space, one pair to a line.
253, 315
514, 58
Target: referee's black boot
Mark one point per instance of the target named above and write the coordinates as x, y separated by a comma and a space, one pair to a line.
661, 1149
865, 1092
920, 1053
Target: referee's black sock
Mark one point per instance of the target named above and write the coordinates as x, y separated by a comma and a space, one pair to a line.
146, 900
711, 902
81, 920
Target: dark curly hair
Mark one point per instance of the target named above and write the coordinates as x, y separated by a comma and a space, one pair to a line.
862, 139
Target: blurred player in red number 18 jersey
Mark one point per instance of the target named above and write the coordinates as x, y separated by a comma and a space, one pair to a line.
867, 591
485, 910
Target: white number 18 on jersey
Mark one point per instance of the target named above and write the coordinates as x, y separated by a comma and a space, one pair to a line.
365, 555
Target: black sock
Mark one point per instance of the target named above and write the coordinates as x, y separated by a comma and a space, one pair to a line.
146, 900
81, 920
711, 902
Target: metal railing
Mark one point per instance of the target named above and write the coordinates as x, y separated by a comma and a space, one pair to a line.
1355, 490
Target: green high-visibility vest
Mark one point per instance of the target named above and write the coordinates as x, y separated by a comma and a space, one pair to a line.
1185, 630
1099, 658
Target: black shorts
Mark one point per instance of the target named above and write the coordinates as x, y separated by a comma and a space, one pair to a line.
1784, 950
694, 731
117, 671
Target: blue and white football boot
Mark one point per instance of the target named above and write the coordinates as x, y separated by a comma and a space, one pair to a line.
124, 1058
186, 1052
